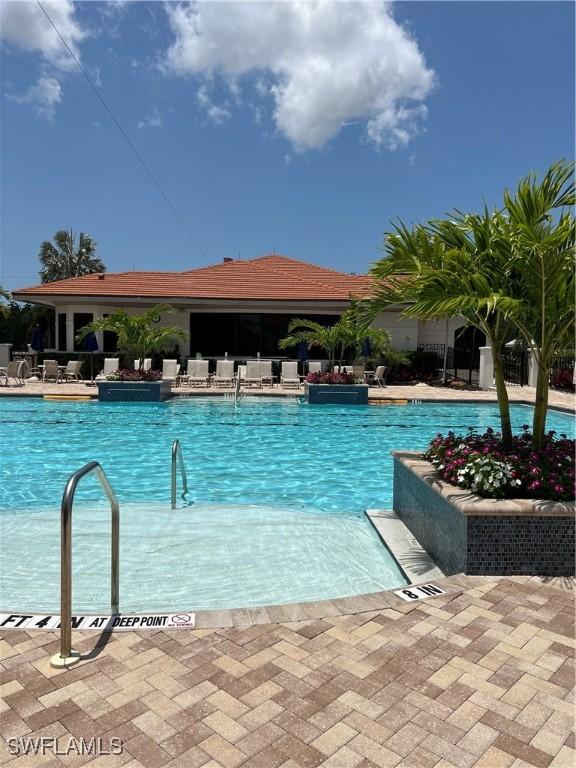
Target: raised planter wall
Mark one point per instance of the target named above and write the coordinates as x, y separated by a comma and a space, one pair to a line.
349, 394
465, 533
134, 391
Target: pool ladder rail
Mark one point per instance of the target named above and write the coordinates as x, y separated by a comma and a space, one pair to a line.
178, 461
67, 657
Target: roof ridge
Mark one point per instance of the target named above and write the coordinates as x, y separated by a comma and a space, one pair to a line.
309, 280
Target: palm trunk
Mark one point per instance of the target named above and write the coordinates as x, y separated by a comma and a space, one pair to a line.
540, 408
503, 402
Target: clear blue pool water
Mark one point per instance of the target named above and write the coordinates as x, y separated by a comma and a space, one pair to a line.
278, 489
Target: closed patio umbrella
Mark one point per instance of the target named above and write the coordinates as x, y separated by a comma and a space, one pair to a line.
37, 343
91, 346
302, 353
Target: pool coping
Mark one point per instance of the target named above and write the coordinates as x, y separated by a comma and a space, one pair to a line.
315, 610
376, 397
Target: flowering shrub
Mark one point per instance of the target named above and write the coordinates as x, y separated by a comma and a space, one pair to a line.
330, 378
479, 463
124, 374
563, 378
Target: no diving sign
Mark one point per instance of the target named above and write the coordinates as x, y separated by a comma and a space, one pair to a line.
419, 593
114, 622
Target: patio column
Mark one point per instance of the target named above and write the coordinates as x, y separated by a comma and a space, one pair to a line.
486, 373
69, 331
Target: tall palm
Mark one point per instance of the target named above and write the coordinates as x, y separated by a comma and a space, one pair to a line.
137, 335
449, 268
541, 231
5, 297
65, 258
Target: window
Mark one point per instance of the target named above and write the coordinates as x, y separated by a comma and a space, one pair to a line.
80, 320
244, 334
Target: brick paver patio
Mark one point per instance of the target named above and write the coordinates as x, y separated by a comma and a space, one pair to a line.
482, 676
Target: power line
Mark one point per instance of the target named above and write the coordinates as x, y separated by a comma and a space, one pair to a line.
126, 137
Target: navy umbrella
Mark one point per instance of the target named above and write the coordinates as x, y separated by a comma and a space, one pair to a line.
37, 339
91, 346
366, 347
302, 353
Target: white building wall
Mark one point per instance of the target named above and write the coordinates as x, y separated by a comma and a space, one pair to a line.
434, 331
403, 330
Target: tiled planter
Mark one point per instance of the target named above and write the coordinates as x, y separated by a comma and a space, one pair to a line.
466, 533
134, 391
355, 394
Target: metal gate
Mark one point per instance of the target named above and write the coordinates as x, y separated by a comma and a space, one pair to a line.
515, 366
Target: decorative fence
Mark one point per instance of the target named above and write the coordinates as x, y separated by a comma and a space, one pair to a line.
515, 366
463, 362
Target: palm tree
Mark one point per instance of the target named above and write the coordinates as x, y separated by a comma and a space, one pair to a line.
302, 331
541, 231
138, 335
5, 296
64, 259
449, 268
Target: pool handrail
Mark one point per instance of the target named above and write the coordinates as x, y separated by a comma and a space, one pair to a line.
178, 458
67, 656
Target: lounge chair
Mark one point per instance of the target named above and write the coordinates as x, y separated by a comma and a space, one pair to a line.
289, 374
147, 364
197, 373
111, 364
266, 372
52, 371
253, 374
359, 371
224, 376
12, 372
72, 371
170, 370
380, 375
314, 366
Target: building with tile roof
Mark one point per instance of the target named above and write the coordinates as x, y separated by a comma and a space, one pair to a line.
240, 307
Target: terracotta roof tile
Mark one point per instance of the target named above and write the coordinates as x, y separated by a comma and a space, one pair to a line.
272, 277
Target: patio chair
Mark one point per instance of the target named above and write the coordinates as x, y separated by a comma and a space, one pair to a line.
197, 373
314, 366
72, 371
289, 374
224, 376
266, 372
359, 371
380, 375
111, 364
170, 370
147, 364
52, 371
12, 372
253, 374
241, 373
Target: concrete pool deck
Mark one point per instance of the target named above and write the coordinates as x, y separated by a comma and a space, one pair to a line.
479, 677
393, 393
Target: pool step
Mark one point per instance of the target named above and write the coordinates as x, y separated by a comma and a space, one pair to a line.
408, 552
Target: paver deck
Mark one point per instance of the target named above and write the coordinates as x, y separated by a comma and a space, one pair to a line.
481, 677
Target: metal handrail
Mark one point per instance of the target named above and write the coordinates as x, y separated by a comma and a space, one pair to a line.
237, 387
177, 455
67, 656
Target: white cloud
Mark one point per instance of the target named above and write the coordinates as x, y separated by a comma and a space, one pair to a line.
45, 95
323, 63
214, 112
23, 24
152, 120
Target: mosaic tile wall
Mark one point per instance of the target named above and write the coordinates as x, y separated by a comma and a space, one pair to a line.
482, 545
348, 394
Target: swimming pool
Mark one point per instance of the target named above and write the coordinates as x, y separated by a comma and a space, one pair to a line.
279, 490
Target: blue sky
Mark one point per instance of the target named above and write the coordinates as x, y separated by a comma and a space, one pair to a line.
292, 127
